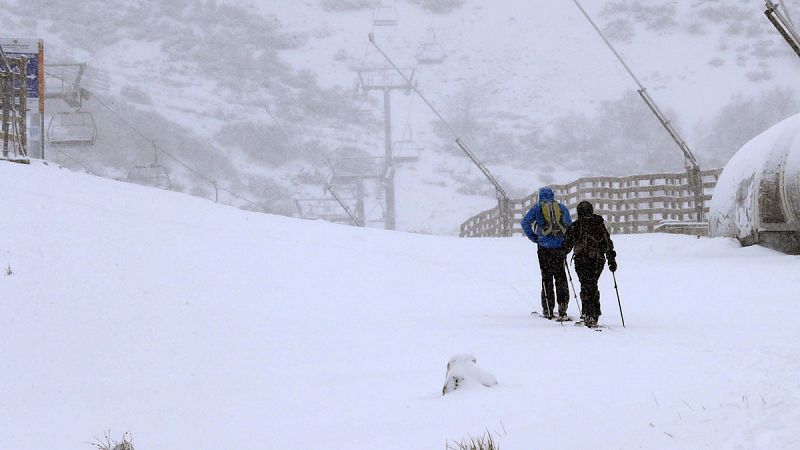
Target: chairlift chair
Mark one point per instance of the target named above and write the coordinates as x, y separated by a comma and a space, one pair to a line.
385, 16
406, 149
152, 174
430, 52
325, 209
356, 167
72, 129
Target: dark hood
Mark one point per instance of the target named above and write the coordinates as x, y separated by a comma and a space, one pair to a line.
585, 209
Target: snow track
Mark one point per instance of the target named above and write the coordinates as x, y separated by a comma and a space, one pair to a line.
199, 326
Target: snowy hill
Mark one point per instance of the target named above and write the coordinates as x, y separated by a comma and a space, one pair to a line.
195, 325
522, 81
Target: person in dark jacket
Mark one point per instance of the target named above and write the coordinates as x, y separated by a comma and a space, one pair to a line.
545, 225
592, 245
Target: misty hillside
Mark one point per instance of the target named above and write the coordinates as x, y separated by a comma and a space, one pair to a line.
254, 94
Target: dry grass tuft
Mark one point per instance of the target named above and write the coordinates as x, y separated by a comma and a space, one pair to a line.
485, 442
107, 443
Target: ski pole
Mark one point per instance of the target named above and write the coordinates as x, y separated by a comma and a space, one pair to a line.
546, 301
618, 300
574, 292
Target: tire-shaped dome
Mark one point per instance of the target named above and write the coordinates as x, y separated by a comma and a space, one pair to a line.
757, 197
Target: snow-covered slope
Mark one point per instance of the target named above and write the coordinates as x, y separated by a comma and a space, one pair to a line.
194, 325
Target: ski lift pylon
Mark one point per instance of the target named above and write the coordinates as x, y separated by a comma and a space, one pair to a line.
72, 129
384, 16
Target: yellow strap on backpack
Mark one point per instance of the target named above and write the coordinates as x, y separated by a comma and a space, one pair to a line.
551, 211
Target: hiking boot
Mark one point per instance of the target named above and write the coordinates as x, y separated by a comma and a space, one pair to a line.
547, 314
591, 322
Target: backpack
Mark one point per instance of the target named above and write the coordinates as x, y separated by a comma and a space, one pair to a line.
553, 219
591, 240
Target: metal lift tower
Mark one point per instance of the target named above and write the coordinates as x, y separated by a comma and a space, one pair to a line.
502, 196
386, 80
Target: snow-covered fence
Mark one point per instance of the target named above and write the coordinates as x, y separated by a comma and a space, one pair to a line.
633, 204
485, 224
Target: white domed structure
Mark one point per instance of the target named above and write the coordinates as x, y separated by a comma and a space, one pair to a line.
757, 197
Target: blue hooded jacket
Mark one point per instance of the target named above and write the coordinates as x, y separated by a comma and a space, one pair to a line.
535, 215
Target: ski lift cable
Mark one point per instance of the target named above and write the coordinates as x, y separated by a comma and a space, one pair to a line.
687, 153
76, 160
372, 210
786, 11
60, 78
173, 157
328, 185
692, 167
611, 47
287, 138
464, 147
371, 30
209, 179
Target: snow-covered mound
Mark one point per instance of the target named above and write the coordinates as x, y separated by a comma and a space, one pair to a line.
198, 326
463, 372
757, 198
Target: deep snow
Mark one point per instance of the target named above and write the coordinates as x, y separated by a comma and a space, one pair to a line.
200, 326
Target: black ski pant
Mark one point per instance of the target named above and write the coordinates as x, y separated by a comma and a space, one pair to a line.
552, 263
589, 269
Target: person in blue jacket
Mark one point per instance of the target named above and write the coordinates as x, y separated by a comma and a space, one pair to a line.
545, 225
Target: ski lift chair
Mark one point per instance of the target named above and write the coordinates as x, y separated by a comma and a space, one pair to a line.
72, 129
152, 174
385, 16
356, 167
325, 209
431, 53
406, 149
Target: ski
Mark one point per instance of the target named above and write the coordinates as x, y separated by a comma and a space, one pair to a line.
581, 323
555, 318
543, 316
